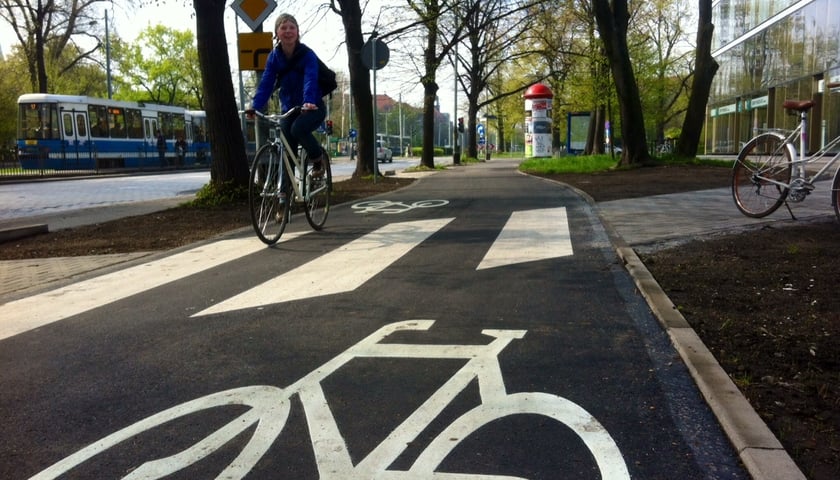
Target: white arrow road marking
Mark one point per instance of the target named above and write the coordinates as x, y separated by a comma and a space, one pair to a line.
528, 236
342, 270
32, 312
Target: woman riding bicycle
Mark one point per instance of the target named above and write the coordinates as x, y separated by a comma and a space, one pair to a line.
294, 67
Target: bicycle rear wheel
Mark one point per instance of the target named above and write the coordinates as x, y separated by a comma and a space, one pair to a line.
269, 215
761, 175
317, 192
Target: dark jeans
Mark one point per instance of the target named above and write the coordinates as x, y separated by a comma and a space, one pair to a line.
298, 129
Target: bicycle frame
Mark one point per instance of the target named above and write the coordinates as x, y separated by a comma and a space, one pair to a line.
802, 159
287, 158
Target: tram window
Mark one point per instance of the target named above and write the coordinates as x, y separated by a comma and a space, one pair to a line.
165, 124
200, 127
116, 122
134, 123
81, 126
98, 121
38, 120
67, 120
178, 127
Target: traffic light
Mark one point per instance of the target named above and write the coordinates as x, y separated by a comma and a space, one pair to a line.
460, 124
329, 127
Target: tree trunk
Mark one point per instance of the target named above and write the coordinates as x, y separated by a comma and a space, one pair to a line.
612, 26
351, 17
500, 136
430, 89
472, 129
595, 134
427, 156
40, 60
704, 73
229, 164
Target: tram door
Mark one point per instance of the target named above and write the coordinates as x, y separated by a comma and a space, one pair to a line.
75, 139
150, 128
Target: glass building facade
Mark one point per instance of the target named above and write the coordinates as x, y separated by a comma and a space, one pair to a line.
770, 51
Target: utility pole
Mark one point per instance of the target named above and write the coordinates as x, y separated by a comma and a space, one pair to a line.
456, 149
108, 56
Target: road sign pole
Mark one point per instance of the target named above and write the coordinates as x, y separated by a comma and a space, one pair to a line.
375, 108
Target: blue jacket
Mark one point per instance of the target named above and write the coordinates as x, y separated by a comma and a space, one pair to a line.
298, 79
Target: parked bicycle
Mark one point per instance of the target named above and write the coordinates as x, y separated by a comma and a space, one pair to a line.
270, 200
770, 170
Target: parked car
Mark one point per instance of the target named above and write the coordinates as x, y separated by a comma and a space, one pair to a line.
384, 154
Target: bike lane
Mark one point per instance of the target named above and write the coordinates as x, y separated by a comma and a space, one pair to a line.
585, 385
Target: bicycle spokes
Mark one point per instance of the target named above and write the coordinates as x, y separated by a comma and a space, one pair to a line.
268, 212
761, 176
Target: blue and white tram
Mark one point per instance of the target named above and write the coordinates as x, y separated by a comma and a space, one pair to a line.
78, 132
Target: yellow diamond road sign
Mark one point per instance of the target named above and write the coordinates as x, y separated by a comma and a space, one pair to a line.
253, 12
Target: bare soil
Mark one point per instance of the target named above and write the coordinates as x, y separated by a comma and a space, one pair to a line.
765, 302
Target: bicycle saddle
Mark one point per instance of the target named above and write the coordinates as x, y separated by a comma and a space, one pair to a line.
798, 105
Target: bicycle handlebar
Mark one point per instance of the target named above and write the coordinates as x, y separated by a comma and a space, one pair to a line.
271, 118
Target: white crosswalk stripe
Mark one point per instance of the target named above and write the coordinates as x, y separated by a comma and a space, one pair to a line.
342, 270
32, 312
530, 235
527, 236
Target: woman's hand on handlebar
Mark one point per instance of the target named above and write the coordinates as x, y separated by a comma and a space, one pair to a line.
251, 113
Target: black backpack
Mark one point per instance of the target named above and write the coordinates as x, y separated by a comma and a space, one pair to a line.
326, 77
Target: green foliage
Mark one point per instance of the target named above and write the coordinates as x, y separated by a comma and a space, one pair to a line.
219, 193
13, 83
569, 164
161, 66
599, 163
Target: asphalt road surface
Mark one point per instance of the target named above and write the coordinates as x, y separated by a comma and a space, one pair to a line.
478, 323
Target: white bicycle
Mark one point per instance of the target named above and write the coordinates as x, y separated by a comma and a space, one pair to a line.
770, 169
270, 408
270, 198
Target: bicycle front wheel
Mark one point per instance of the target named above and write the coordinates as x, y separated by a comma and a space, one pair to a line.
317, 192
761, 175
835, 193
269, 214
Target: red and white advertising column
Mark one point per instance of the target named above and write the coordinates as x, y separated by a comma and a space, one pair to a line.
538, 100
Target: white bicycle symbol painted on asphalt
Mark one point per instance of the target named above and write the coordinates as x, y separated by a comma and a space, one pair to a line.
392, 207
269, 411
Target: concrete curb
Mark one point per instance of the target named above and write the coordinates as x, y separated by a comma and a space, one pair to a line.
23, 231
763, 455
